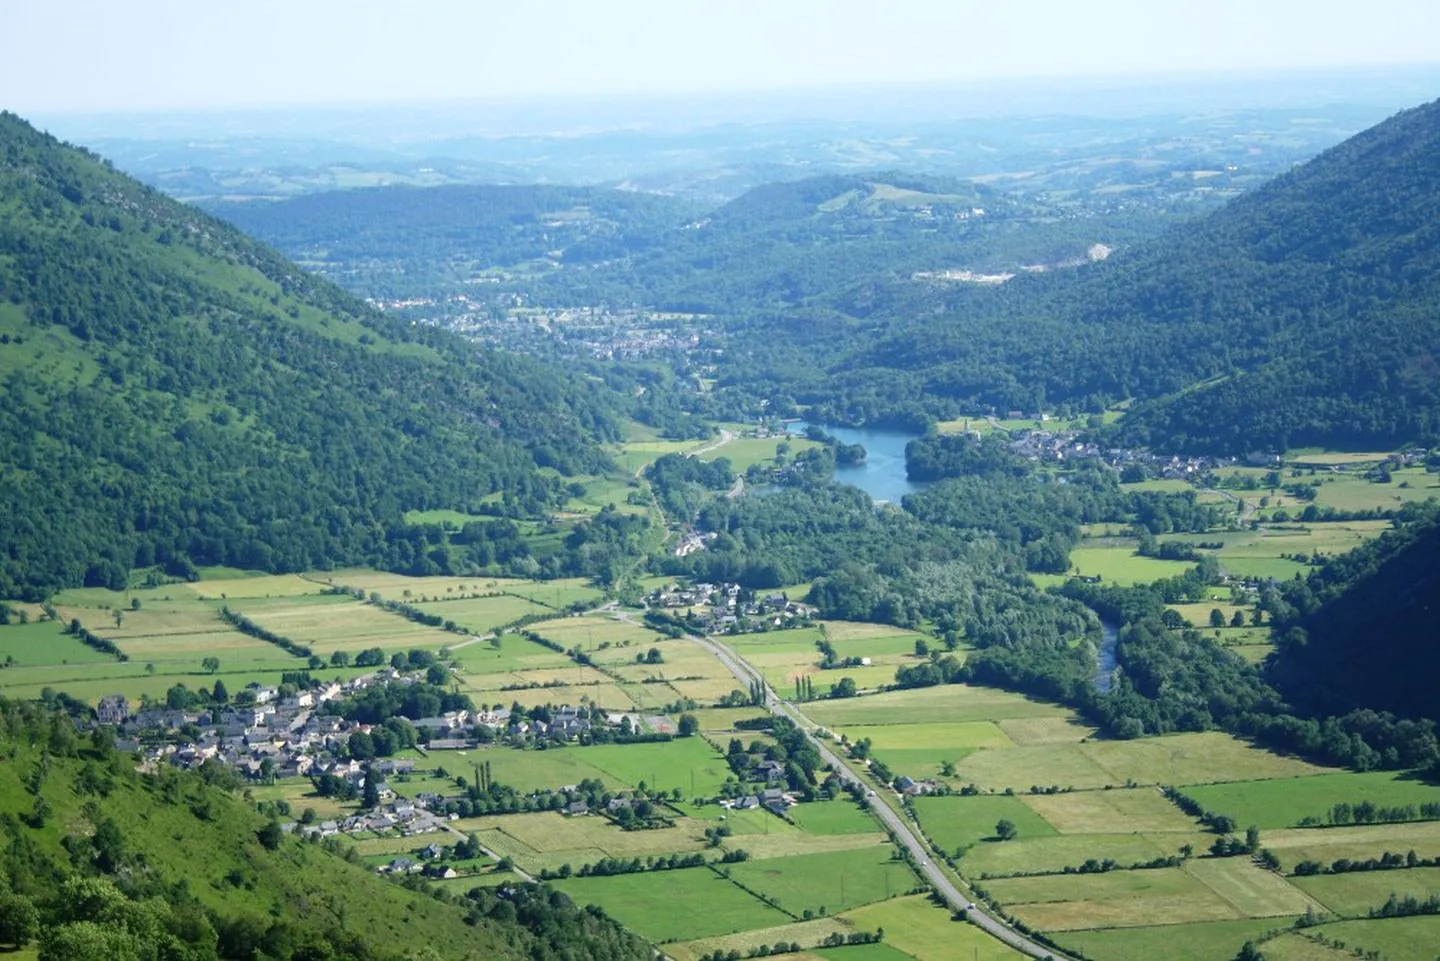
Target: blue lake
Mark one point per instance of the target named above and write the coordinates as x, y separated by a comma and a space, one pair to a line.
882, 475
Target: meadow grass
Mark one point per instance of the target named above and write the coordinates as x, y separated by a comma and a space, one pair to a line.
482, 615
949, 703
956, 822
920, 749
832, 817
688, 763
1327, 845
1284, 802
1110, 812
829, 882
1396, 939
664, 906
1109, 886
1047, 730
1252, 890
1353, 894
1027, 854
1203, 941
928, 933
45, 644
800, 932
1123, 566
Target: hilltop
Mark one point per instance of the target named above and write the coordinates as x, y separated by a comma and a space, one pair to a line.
174, 393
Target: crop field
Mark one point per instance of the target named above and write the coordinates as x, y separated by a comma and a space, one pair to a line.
955, 822
791, 844
1122, 565
949, 703
1354, 894
928, 933
1131, 910
1110, 886
1203, 941
666, 906
827, 883
1356, 843
1283, 803
838, 631
1110, 812
557, 594
832, 817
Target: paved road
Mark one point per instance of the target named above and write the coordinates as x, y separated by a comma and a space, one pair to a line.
953, 895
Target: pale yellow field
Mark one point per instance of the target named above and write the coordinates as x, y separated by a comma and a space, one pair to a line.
1357, 843
927, 932
549, 839
350, 626
1110, 812
802, 932
855, 630
1047, 730
1251, 889
269, 585
393, 587
788, 844
1129, 913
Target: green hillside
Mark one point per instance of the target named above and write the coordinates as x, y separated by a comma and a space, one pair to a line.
106, 862
173, 393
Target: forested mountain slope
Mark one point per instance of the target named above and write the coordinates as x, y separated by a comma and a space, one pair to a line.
1305, 312
1364, 630
172, 392
100, 862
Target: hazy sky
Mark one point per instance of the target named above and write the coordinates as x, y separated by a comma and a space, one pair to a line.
145, 54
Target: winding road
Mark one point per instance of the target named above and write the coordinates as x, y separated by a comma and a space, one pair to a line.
957, 899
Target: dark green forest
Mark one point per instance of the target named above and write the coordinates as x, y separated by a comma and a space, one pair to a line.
176, 394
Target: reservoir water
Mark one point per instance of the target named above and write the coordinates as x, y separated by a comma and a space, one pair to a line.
882, 475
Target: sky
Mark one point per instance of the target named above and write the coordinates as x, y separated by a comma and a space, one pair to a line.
120, 55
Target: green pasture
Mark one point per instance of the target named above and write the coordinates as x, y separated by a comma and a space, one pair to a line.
1284, 802
927, 932
1327, 845
827, 883
954, 822
1029, 853
664, 906
1396, 939
43, 644
1203, 941
482, 615
1110, 812
832, 817
1122, 565
919, 749
949, 703
688, 763
1353, 894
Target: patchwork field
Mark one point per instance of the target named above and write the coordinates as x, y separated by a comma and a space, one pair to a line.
919, 749
1110, 812
1029, 853
550, 840
337, 622
1395, 939
950, 703
1122, 565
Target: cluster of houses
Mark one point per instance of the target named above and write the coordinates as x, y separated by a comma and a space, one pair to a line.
268, 736
723, 609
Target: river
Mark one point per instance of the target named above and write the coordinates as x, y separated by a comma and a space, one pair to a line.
1104, 674
882, 475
